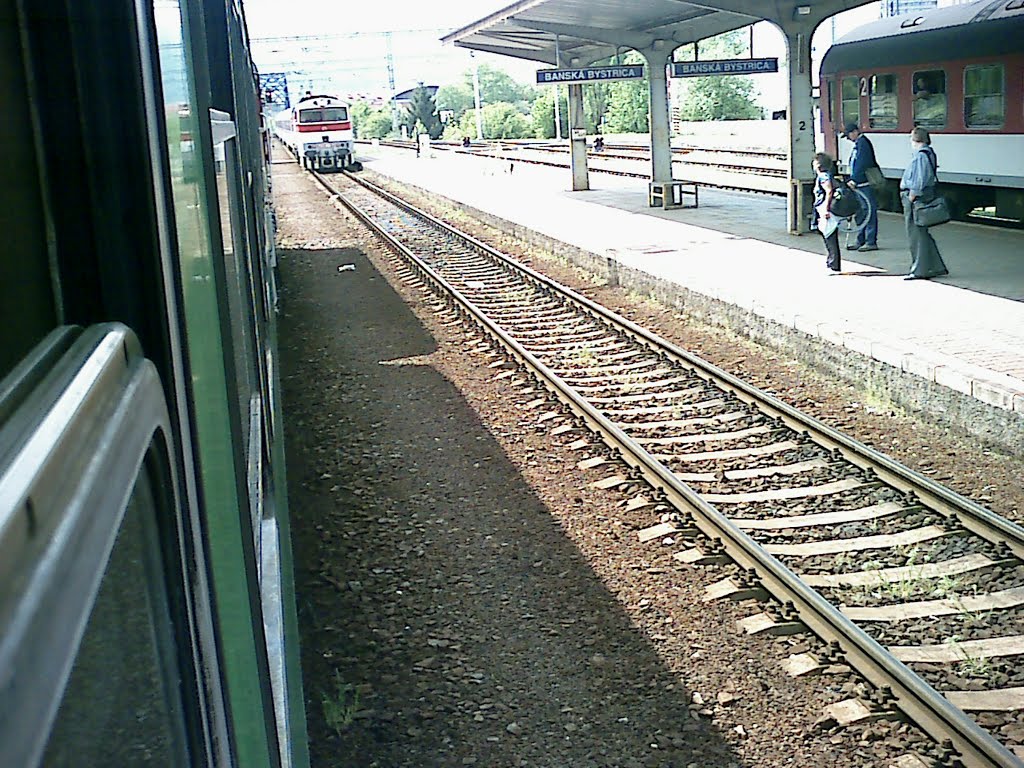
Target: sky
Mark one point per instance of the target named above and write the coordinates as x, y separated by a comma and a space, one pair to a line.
342, 48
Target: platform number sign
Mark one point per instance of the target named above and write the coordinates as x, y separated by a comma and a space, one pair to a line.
274, 90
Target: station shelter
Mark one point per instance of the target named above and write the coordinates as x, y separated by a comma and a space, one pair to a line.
571, 35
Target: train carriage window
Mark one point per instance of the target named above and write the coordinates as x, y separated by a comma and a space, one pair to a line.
851, 101
984, 104
930, 98
326, 115
883, 106
120, 706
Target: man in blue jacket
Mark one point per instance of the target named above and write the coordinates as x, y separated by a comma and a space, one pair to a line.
862, 158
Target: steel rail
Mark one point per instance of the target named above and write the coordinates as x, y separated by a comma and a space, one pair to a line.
737, 187
921, 702
975, 517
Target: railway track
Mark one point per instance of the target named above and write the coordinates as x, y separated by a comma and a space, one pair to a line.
697, 156
917, 588
736, 176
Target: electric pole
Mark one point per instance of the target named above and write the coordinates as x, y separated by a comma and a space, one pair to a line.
476, 98
391, 82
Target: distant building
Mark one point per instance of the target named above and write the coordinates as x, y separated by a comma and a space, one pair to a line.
901, 7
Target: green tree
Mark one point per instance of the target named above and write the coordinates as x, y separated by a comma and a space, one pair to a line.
628, 100
595, 105
370, 123
504, 121
542, 113
719, 98
725, 97
422, 111
500, 121
498, 86
457, 97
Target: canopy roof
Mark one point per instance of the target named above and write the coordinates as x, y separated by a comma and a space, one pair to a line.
579, 32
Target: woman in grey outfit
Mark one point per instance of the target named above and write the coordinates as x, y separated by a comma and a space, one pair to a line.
918, 183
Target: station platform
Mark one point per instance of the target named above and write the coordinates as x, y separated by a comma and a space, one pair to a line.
952, 347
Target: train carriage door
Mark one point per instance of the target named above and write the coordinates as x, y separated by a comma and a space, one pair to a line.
852, 90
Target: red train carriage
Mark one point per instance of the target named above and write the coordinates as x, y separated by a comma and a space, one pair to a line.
957, 71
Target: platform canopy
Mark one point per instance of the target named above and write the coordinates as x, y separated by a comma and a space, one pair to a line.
583, 31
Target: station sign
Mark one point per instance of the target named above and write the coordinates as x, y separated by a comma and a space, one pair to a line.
590, 74
724, 67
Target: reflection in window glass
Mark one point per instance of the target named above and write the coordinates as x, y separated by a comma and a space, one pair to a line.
983, 96
930, 98
240, 288
851, 101
327, 115
883, 111
115, 710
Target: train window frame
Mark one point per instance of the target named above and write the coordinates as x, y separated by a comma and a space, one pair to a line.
987, 126
878, 120
95, 412
323, 115
927, 97
844, 99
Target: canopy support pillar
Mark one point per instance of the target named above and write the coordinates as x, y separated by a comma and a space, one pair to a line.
578, 139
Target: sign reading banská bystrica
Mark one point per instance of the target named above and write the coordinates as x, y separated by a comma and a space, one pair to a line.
724, 67
590, 74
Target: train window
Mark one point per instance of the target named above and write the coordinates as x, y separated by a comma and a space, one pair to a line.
930, 98
326, 115
117, 708
984, 106
883, 107
851, 101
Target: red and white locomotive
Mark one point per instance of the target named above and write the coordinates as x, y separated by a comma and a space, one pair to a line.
957, 71
318, 131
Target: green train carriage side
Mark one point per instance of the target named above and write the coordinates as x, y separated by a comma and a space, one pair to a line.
147, 609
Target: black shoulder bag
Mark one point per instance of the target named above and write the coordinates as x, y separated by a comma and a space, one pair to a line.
876, 180
934, 212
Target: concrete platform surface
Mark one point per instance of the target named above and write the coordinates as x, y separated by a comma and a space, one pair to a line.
964, 331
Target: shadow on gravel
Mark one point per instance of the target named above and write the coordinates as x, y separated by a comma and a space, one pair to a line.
446, 618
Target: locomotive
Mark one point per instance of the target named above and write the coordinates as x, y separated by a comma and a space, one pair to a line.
957, 71
318, 131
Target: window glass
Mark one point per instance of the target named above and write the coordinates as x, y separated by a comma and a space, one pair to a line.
851, 101
883, 109
930, 98
983, 96
327, 115
117, 708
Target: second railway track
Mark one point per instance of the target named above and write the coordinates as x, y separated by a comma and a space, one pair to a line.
919, 589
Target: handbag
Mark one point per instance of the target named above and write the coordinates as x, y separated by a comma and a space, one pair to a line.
935, 211
826, 224
932, 213
875, 178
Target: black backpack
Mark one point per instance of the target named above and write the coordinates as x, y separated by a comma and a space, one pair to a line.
844, 202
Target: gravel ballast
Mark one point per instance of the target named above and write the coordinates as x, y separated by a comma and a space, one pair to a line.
467, 598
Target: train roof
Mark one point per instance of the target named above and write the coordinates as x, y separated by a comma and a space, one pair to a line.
973, 30
321, 100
